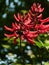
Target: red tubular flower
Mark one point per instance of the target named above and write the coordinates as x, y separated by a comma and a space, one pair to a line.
42, 28
30, 25
20, 18
35, 14
19, 28
35, 11
13, 31
36, 8
24, 21
44, 20
30, 35
39, 17
9, 29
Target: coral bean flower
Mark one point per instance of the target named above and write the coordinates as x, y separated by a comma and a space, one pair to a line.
29, 26
36, 8
44, 26
36, 11
30, 35
20, 28
35, 14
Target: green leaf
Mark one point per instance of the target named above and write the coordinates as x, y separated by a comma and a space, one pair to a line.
24, 11
6, 46
39, 44
5, 38
46, 44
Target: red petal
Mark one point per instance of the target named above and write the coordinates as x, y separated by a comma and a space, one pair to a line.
16, 18
44, 20
15, 34
25, 17
41, 10
34, 5
17, 26
26, 22
32, 35
36, 9
30, 41
39, 5
15, 42
19, 16
9, 29
40, 16
9, 35
42, 31
46, 27
14, 26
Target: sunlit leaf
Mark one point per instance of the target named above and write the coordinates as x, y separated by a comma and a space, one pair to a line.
6, 46
39, 44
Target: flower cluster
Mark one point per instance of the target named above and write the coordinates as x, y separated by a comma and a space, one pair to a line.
29, 26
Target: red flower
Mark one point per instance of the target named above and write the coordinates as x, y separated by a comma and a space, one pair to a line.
30, 25
43, 21
35, 14
21, 27
38, 24
25, 21
42, 28
30, 35
36, 8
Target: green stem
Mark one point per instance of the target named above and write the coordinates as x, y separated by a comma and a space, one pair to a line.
20, 41
40, 56
40, 41
21, 50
